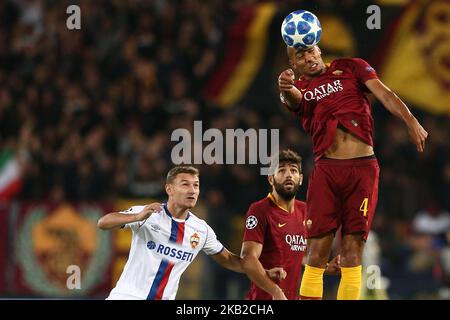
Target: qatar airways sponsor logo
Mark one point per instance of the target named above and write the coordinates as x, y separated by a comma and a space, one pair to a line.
323, 91
296, 242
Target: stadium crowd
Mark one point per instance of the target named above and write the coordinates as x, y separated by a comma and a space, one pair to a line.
91, 113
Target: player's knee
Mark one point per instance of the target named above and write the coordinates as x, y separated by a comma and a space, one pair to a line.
352, 248
317, 259
351, 254
351, 259
319, 251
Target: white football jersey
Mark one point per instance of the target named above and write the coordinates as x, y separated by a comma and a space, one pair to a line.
162, 247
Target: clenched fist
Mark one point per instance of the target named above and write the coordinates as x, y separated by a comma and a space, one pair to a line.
276, 273
286, 80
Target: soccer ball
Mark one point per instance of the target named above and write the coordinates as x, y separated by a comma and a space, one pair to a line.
301, 29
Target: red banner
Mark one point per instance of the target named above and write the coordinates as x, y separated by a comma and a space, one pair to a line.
246, 45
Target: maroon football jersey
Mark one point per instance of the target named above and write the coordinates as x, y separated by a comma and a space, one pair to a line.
282, 235
337, 97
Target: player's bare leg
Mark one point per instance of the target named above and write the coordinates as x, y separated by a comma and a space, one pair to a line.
352, 247
319, 250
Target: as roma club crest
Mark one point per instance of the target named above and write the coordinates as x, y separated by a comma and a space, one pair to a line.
195, 240
52, 241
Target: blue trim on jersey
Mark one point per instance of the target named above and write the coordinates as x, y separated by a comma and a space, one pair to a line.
173, 231
223, 247
158, 278
163, 265
170, 215
167, 210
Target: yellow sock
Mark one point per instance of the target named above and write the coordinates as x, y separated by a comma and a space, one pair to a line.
350, 285
312, 283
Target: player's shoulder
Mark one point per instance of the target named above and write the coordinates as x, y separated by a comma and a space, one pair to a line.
300, 209
261, 204
197, 222
347, 60
300, 205
347, 63
260, 208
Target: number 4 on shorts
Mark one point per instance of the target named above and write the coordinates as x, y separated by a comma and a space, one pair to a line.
364, 206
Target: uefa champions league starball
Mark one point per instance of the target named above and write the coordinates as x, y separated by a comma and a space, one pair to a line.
301, 29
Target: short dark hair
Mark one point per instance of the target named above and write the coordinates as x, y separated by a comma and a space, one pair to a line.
289, 156
172, 174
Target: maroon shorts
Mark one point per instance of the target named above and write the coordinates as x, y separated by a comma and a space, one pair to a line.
342, 193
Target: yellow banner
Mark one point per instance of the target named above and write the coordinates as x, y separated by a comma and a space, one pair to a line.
417, 65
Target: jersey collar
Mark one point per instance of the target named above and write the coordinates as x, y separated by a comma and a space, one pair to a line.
166, 210
270, 196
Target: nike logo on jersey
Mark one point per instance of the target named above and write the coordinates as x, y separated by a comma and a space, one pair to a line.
281, 225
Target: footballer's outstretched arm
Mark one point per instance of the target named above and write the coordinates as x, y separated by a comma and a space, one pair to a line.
289, 94
233, 262
228, 260
398, 108
251, 251
116, 220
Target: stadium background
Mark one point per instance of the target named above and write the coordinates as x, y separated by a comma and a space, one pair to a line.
86, 117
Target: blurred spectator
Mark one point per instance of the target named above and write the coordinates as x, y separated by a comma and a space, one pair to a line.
444, 292
433, 221
428, 258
